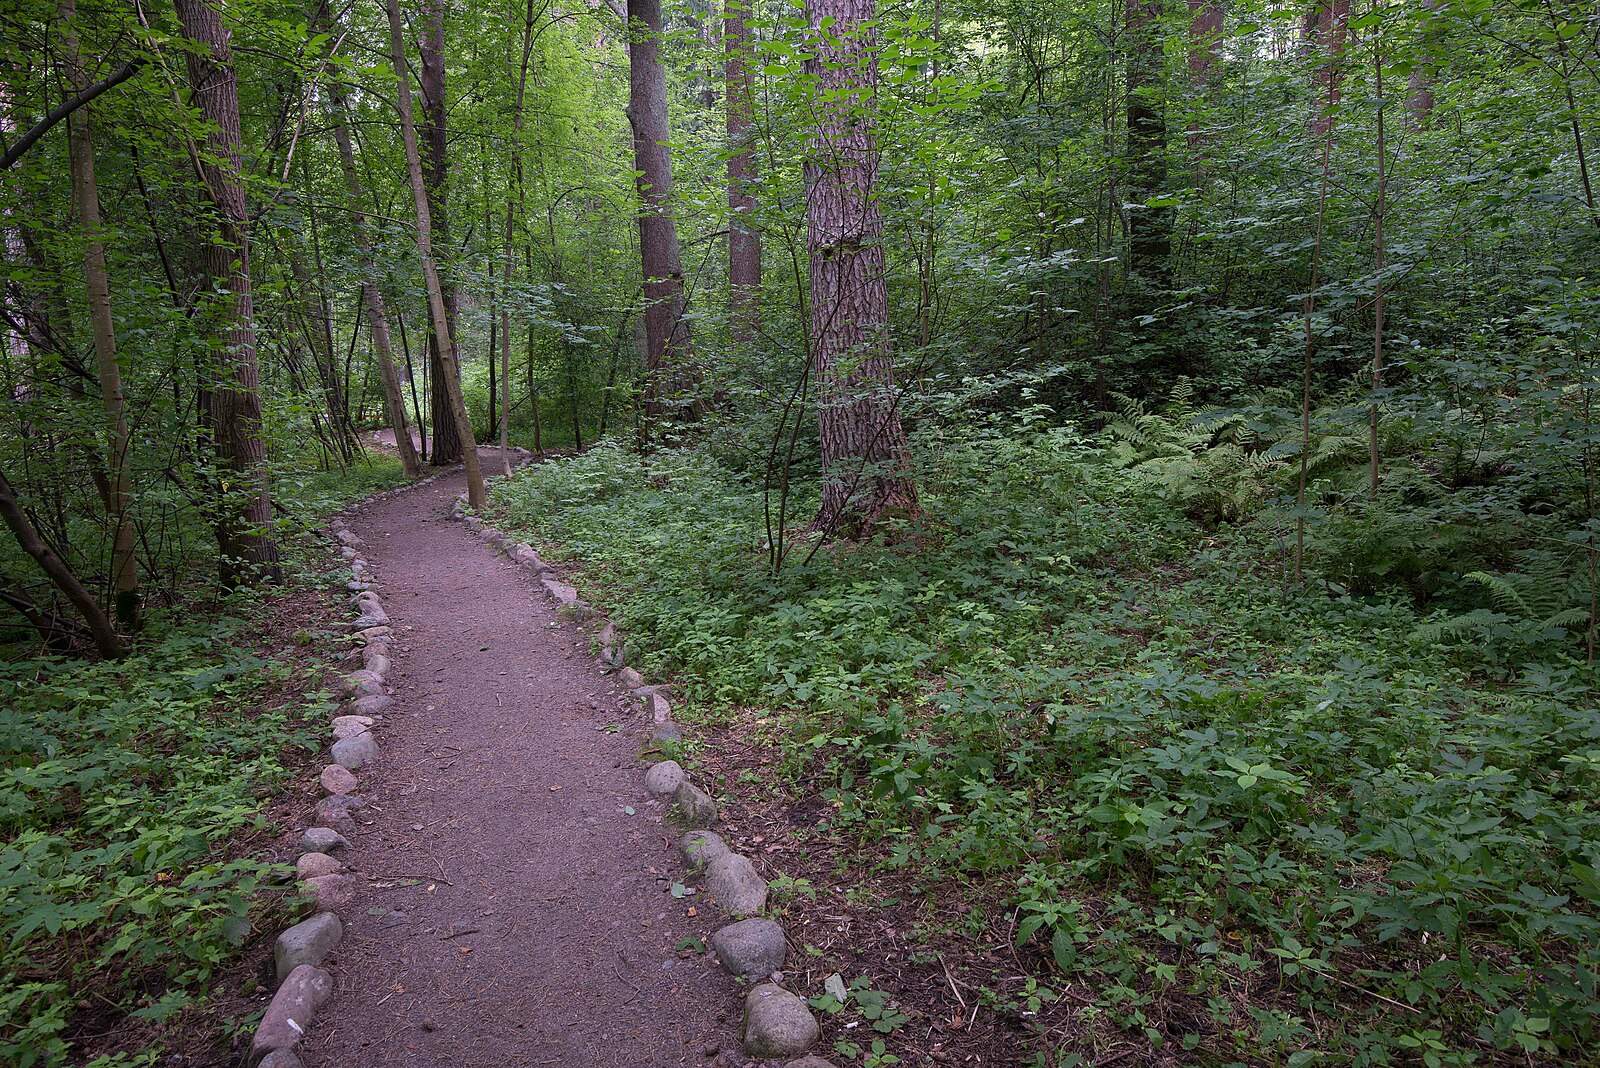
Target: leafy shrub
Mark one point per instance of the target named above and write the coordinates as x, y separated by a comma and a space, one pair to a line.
119, 785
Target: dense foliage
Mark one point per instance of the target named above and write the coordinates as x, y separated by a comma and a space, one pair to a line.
1312, 817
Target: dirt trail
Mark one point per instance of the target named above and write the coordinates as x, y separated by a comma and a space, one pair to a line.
511, 911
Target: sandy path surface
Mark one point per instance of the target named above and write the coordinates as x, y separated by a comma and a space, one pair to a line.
512, 910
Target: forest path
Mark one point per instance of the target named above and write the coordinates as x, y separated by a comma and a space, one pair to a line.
510, 911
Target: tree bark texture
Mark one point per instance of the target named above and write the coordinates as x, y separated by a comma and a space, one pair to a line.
1332, 18
243, 533
447, 443
86, 197
667, 348
450, 378
1149, 228
866, 462
744, 242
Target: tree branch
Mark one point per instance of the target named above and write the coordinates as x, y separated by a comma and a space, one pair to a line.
67, 107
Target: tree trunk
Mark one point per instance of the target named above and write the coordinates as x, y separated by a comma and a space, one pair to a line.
1419, 98
86, 196
667, 347
447, 437
60, 575
243, 533
1149, 228
394, 403
866, 462
744, 242
1205, 45
1332, 18
449, 376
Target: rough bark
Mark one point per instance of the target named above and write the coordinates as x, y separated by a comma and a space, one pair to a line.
744, 242
447, 436
866, 462
394, 404
667, 350
1149, 228
86, 198
449, 377
243, 533
1332, 18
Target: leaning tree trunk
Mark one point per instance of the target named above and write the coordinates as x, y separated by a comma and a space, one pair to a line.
86, 195
450, 376
744, 242
667, 345
243, 534
61, 576
865, 459
447, 436
394, 402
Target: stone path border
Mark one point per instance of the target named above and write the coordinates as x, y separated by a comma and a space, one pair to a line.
777, 1022
299, 952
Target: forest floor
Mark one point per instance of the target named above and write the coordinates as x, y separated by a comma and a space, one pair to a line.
514, 904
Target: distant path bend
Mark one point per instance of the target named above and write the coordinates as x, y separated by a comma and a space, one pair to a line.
512, 911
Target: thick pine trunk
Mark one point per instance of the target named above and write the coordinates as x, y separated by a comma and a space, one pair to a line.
86, 196
1332, 17
394, 404
249, 553
744, 242
667, 345
866, 462
450, 377
447, 436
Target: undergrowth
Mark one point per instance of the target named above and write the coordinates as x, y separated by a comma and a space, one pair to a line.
120, 785
1311, 816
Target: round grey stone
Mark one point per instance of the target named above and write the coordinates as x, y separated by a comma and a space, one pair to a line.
355, 753
336, 808
307, 942
732, 882
663, 779
752, 948
777, 1023
311, 865
323, 840
350, 726
630, 678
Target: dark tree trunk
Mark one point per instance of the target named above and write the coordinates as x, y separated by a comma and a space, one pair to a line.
1149, 228
866, 462
1332, 17
249, 553
744, 242
85, 194
667, 351
436, 172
